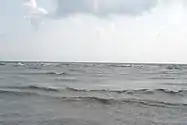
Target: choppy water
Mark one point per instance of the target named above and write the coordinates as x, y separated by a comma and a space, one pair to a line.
92, 94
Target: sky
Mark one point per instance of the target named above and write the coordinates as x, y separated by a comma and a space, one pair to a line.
147, 31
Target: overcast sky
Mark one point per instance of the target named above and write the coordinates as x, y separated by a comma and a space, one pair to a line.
108, 30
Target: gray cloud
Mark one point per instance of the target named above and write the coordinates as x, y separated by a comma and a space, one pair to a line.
105, 7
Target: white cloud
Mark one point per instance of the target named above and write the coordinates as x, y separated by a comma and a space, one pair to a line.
157, 36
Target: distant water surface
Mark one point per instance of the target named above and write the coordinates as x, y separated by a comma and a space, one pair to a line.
92, 94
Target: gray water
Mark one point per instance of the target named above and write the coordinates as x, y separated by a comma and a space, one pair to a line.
92, 94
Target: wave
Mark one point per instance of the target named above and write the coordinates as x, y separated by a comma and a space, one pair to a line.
94, 99
32, 87
2, 64
120, 65
139, 91
172, 67
42, 88
125, 100
36, 64
18, 93
46, 73
131, 92
56, 73
19, 64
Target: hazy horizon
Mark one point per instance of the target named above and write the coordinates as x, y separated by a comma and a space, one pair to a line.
156, 35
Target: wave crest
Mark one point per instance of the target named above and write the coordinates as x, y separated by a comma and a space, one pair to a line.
47, 73
32, 87
91, 98
124, 101
140, 91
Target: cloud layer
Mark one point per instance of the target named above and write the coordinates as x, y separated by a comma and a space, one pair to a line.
105, 7
158, 35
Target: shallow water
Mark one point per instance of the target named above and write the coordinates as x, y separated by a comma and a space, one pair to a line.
92, 94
